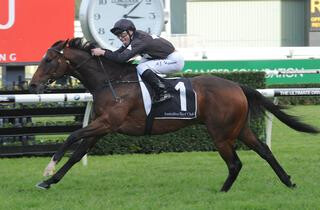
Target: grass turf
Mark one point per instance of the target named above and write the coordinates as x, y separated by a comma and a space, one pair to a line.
174, 180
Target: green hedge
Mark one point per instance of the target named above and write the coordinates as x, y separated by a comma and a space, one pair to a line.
192, 138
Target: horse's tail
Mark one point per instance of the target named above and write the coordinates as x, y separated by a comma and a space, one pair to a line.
258, 104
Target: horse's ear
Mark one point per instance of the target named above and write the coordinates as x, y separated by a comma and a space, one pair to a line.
65, 43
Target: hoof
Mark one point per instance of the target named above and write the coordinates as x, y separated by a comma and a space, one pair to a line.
291, 185
43, 186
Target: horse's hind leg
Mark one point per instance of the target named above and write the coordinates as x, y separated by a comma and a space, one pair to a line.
249, 139
229, 155
224, 144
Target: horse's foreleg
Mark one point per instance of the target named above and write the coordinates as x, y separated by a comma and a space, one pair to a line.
49, 170
81, 150
248, 137
90, 134
72, 138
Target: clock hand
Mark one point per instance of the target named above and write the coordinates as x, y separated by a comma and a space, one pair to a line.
132, 17
133, 8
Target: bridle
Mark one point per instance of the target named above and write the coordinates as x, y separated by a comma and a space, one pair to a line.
60, 54
69, 63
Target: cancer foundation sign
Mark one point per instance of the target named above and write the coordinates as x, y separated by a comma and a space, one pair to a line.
29, 27
262, 65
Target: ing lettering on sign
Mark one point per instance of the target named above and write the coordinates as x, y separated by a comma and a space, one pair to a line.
8, 57
11, 16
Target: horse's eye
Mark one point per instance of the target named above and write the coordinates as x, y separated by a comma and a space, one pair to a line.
47, 60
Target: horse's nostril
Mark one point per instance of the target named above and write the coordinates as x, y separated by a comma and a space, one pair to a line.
32, 88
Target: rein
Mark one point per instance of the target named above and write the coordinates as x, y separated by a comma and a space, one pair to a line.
114, 94
109, 82
83, 62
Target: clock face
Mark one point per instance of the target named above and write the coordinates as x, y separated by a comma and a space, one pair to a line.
99, 16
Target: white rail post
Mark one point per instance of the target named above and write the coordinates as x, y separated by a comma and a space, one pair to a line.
85, 122
269, 125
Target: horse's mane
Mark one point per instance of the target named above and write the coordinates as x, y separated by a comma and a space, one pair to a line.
57, 43
81, 44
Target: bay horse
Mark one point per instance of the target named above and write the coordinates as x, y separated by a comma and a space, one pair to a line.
223, 107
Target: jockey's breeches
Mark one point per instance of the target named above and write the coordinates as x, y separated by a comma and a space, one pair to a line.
171, 64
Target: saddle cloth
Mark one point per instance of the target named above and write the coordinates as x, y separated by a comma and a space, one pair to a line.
183, 105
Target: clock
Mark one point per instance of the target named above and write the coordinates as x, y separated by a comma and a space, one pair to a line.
97, 17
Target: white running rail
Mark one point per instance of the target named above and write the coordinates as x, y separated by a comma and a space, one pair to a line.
87, 97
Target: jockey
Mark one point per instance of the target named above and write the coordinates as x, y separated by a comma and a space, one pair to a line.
158, 56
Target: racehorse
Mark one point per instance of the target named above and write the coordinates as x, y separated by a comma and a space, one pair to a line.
223, 107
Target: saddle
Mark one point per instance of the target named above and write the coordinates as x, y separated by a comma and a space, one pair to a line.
183, 105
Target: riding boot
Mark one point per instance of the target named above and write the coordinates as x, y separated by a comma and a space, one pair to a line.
161, 94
